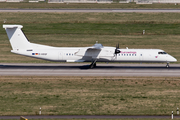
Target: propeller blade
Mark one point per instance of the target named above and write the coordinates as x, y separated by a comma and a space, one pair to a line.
116, 50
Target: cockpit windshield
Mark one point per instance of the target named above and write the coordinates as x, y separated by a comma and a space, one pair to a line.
162, 53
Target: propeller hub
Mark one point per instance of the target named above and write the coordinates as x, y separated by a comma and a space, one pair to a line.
117, 51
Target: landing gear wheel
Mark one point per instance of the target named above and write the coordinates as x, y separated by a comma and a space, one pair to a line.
167, 65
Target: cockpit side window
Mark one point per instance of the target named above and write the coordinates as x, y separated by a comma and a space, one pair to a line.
162, 53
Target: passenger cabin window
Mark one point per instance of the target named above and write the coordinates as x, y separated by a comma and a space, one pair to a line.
162, 53
128, 54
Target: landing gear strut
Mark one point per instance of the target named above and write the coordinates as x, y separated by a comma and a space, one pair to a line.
93, 64
167, 65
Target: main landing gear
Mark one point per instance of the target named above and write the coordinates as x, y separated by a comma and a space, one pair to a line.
167, 65
93, 64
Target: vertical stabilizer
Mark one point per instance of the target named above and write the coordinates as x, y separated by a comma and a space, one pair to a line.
17, 38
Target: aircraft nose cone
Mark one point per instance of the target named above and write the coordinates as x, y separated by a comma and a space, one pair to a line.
175, 60
171, 59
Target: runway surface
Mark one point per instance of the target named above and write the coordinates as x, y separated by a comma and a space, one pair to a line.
91, 10
85, 117
65, 69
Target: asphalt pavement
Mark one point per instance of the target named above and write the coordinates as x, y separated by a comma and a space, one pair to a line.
71, 69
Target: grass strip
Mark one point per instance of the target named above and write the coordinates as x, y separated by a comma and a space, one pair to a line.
114, 5
24, 95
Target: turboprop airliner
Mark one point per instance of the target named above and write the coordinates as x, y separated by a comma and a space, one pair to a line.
96, 53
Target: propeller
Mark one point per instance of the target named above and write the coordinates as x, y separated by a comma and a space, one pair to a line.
116, 50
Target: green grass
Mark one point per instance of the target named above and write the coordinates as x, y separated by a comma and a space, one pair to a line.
88, 95
104, 28
84, 29
45, 5
153, 18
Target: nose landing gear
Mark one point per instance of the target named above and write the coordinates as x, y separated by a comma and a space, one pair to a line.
167, 65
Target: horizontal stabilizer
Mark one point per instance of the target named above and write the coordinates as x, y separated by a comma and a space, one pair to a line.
12, 26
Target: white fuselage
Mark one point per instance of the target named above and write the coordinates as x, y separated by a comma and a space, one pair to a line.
106, 54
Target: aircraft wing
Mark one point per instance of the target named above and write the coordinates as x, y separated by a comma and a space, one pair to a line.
96, 46
90, 51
